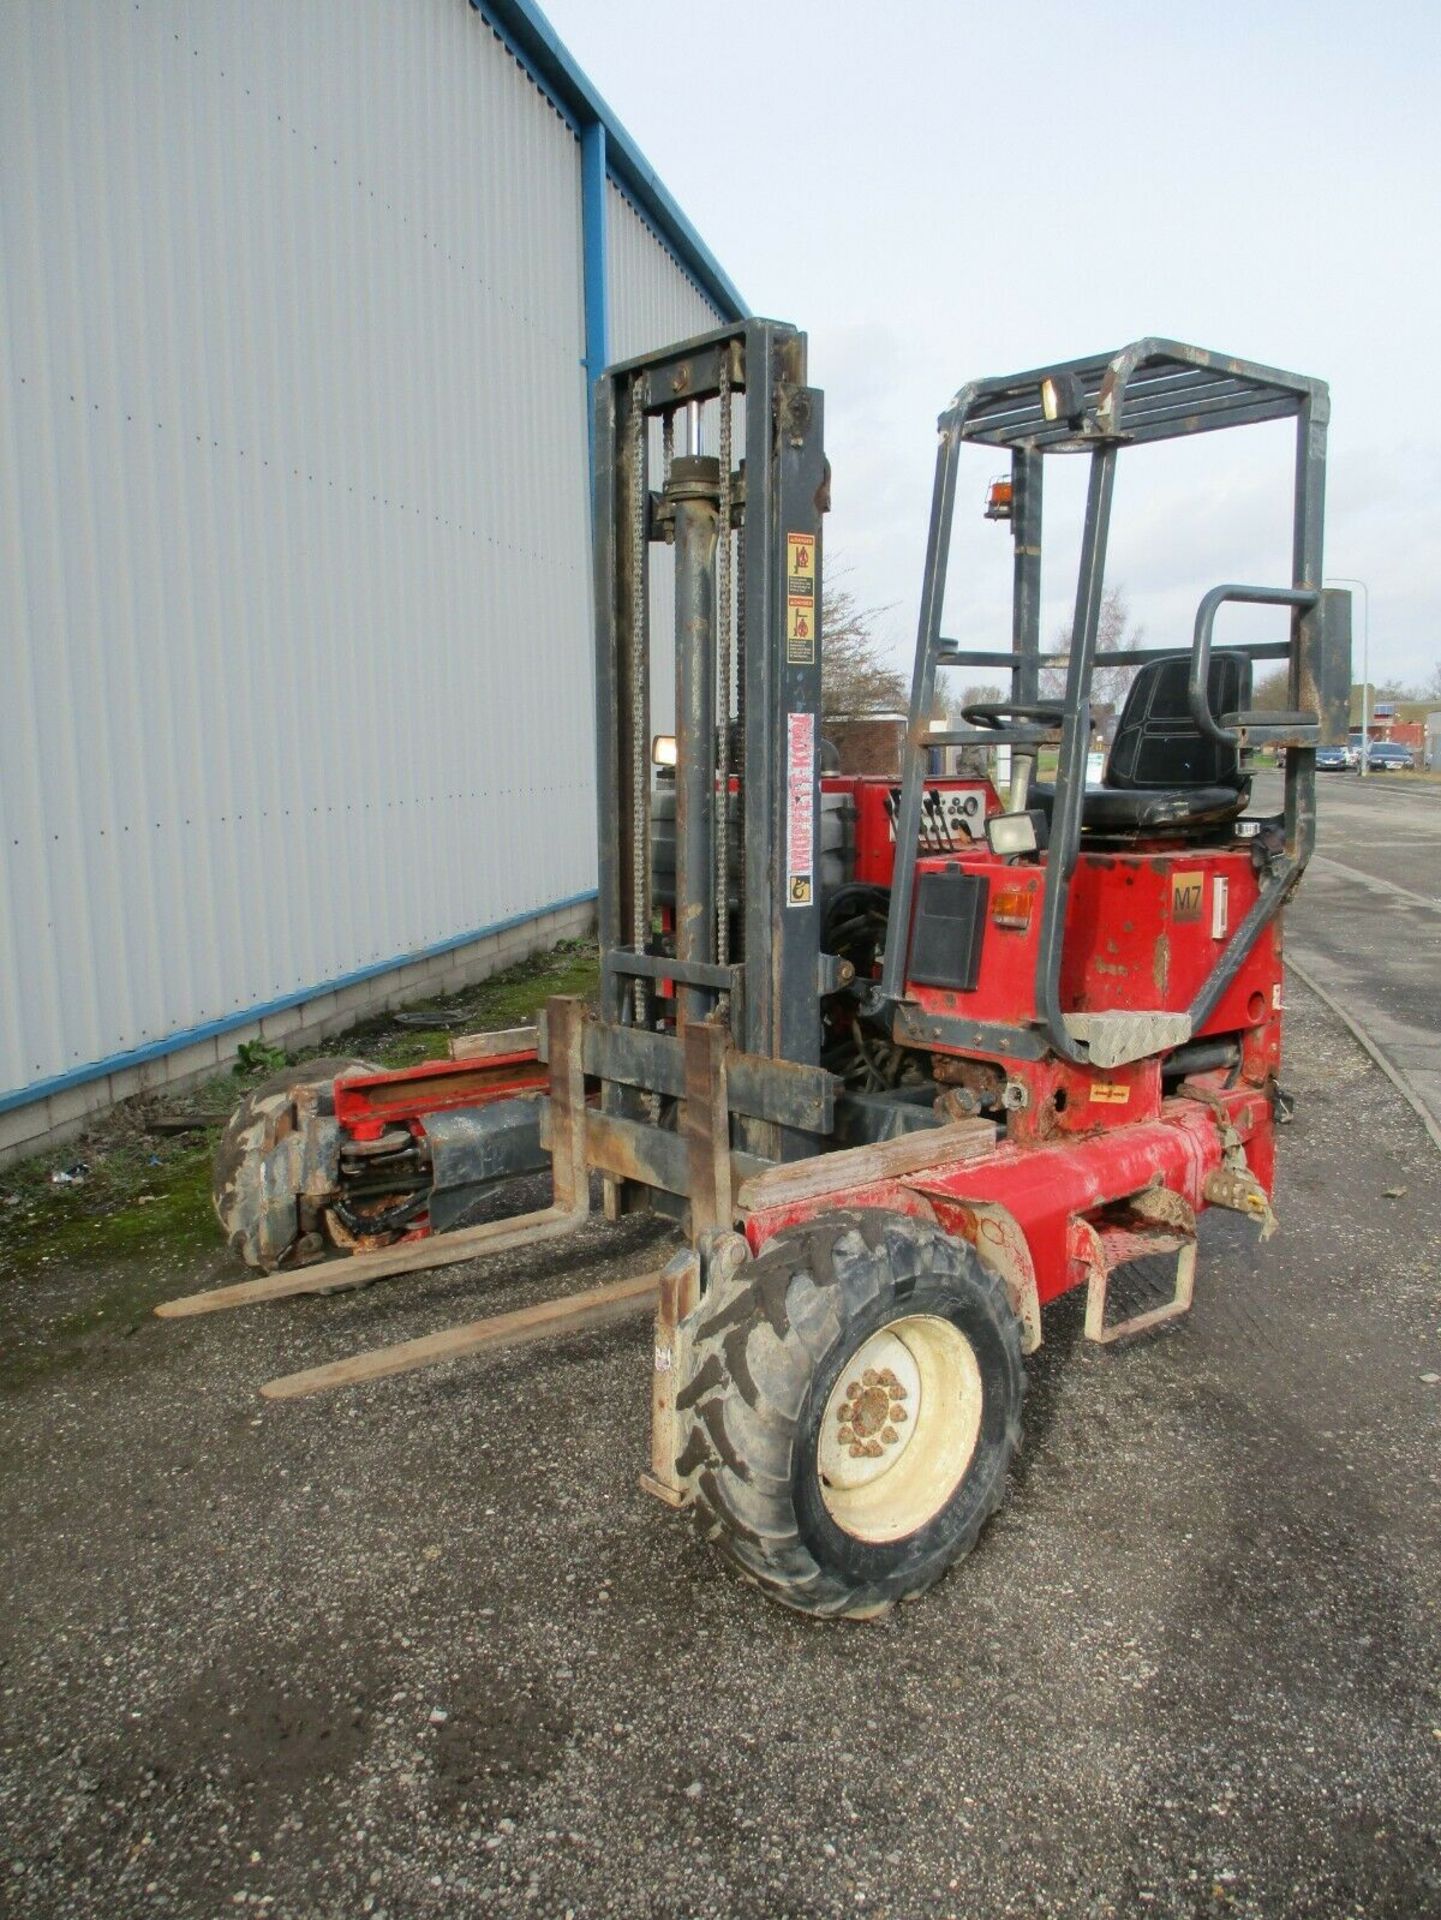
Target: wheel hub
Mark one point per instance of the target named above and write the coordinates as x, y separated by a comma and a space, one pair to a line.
871, 1413
900, 1428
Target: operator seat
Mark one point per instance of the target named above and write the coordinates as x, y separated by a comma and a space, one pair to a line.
1163, 775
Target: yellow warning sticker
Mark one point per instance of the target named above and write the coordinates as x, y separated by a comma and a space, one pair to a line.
800, 600
1110, 1093
1187, 892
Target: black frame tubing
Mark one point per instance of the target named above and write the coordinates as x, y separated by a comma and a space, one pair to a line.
1151, 390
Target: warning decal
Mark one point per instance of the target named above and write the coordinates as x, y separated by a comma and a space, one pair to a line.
800, 808
800, 600
1110, 1093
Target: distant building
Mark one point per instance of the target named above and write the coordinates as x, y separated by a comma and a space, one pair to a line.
867, 742
1400, 721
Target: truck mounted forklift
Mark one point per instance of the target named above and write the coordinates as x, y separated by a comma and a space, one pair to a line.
903, 1059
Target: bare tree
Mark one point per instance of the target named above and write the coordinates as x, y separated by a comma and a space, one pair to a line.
1114, 634
855, 677
1273, 691
973, 697
1418, 690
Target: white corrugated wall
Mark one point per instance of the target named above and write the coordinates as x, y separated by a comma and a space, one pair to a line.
294, 571
652, 302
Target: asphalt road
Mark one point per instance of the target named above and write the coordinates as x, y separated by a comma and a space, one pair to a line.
1366, 925
426, 1650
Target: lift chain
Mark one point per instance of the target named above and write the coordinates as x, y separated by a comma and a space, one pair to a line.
741, 703
723, 665
638, 664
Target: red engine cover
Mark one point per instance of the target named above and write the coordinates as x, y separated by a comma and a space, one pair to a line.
1143, 932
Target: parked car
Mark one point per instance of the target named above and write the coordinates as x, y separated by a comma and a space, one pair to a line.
1391, 755
1332, 760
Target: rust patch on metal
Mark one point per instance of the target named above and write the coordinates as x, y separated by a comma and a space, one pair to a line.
868, 1411
1161, 963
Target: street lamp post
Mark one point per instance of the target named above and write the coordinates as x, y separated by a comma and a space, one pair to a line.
1349, 580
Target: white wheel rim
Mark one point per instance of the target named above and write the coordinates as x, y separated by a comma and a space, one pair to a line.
900, 1428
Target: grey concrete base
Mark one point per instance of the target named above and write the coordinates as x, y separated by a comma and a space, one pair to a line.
58, 1117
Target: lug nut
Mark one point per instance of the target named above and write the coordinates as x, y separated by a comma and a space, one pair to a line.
889, 1436
898, 1414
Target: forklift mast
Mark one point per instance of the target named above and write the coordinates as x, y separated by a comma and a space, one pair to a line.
745, 535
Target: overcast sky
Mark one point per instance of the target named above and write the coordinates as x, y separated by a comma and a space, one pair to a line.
938, 191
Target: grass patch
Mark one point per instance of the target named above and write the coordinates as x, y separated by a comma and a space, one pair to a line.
136, 1199
509, 999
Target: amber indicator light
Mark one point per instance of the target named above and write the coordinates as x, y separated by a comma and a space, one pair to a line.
1012, 908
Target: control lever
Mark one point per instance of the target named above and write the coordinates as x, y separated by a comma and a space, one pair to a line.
892, 806
928, 825
934, 804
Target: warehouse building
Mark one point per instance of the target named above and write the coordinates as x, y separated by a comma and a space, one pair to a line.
297, 315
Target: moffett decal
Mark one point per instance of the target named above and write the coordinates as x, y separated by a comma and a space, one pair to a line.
800, 808
1188, 890
1110, 1093
800, 600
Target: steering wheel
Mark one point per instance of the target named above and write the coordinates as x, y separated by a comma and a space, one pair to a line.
997, 713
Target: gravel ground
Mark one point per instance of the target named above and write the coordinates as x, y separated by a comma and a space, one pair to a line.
425, 1648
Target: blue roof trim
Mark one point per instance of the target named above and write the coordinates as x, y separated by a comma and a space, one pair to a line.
212, 1029
593, 229
535, 43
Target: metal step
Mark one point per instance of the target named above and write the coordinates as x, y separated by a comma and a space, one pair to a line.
1117, 1037
1154, 1222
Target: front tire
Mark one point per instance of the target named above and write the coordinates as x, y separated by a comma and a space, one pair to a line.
258, 1222
852, 1406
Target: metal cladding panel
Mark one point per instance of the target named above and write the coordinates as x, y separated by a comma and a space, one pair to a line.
652, 301
294, 569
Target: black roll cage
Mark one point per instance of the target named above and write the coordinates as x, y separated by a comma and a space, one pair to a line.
1154, 389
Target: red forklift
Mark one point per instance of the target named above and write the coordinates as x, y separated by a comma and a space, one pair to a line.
903, 1060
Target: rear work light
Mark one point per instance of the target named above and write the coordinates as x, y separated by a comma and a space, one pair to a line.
1063, 398
1012, 833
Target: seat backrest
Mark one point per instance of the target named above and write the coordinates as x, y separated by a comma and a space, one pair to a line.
1157, 743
